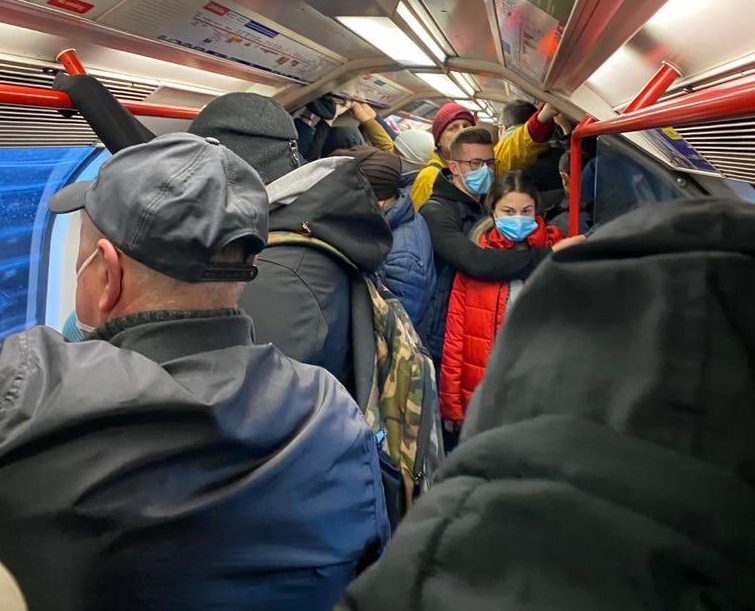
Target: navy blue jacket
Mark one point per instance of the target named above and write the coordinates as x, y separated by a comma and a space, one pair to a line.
408, 270
172, 464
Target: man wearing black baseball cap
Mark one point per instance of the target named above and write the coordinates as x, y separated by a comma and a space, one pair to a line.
167, 462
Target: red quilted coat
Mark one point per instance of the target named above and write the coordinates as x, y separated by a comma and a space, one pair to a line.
476, 311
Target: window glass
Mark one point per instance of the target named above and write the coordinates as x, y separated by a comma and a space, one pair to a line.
28, 178
618, 183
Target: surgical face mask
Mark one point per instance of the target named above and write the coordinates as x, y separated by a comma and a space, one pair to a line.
479, 181
71, 330
84, 328
516, 228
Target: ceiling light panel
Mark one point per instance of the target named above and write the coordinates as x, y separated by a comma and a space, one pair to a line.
442, 83
388, 38
405, 13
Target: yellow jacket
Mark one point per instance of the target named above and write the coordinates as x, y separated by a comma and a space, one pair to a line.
516, 152
377, 135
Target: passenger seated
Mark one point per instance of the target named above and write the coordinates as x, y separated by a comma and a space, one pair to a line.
408, 270
167, 462
607, 460
415, 148
477, 309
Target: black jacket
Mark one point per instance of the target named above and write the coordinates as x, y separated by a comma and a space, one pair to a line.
607, 461
301, 298
450, 215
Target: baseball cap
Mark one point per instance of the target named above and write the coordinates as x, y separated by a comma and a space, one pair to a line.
173, 204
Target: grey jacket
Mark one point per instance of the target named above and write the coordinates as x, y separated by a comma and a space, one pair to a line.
178, 466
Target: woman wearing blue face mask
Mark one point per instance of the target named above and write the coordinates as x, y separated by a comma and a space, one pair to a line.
477, 308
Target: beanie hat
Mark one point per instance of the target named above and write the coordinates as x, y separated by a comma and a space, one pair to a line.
256, 128
324, 107
447, 114
382, 169
415, 145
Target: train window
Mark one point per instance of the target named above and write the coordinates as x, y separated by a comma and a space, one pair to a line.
28, 178
622, 180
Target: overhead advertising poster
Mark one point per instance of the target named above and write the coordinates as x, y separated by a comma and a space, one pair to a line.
90, 9
422, 109
223, 32
375, 89
530, 37
677, 150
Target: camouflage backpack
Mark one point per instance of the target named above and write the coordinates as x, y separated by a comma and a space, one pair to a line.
395, 384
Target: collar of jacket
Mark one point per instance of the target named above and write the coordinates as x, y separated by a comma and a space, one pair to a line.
400, 212
165, 335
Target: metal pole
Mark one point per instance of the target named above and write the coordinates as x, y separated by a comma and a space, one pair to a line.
649, 95
71, 63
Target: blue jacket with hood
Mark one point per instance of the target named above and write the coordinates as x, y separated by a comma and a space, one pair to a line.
408, 270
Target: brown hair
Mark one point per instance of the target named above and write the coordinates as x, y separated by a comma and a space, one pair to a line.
470, 135
517, 181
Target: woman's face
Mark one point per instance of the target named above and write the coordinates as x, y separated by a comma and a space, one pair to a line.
514, 204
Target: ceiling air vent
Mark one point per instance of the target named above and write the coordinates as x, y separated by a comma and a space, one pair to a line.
728, 145
34, 126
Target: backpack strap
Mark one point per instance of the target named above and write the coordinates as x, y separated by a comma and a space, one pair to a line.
362, 333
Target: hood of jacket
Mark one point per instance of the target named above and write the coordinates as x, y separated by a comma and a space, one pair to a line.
331, 200
402, 211
658, 306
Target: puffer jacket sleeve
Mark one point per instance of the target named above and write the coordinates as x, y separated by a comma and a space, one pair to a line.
519, 150
422, 188
452, 367
403, 275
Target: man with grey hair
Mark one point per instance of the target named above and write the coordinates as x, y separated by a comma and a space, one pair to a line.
167, 462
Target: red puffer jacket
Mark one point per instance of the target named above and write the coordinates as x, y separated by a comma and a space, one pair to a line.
476, 310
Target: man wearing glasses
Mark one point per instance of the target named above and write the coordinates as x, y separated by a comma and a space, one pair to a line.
455, 206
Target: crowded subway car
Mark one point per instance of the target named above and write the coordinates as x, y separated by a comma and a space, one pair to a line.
382, 305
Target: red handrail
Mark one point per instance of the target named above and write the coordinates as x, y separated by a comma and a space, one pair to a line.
649, 95
51, 98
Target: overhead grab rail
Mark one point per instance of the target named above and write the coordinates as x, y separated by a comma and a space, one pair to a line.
51, 98
726, 101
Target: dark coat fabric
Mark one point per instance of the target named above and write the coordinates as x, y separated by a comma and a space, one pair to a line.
301, 300
607, 461
450, 215
173, 465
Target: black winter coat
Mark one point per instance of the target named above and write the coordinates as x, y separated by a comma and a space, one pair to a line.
607, 461
450, 215
301, 299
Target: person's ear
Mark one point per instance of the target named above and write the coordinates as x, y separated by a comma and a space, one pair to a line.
113, 288
565, 180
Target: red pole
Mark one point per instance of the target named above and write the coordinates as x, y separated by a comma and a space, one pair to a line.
71, 62
50, 98
649, 95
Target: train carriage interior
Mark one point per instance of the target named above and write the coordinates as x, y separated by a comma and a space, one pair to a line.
659, 96
405, 58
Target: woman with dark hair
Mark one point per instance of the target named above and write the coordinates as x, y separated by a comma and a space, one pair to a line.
477, 309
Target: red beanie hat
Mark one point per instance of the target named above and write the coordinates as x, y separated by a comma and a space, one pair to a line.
447, 114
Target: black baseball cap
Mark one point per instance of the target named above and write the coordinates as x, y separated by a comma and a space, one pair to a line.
173, 204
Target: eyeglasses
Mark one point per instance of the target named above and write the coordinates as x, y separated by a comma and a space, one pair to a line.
476, 164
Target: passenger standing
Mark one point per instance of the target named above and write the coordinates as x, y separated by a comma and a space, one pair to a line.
477, 309
607, 460
167, 462
408, 270
415, 148
517, 149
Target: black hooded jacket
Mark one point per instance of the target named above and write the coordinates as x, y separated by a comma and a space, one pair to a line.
607, 461
301, 299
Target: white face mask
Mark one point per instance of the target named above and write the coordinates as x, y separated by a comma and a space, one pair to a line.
84, 328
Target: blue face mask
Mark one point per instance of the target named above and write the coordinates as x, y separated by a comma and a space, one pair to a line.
71, 330
516, 228
479, 181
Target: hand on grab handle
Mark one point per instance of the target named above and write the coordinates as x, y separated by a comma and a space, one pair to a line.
547, 112
568, 242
